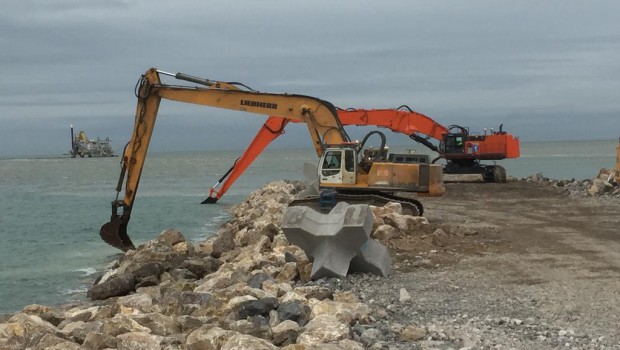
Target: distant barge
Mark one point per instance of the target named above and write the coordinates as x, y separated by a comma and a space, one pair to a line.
82, 146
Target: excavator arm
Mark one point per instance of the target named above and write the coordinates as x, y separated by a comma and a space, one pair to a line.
320, 117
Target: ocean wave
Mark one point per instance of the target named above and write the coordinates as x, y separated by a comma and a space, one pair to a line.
87, 271
75, 290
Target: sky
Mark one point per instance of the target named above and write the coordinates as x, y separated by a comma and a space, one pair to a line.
546, 70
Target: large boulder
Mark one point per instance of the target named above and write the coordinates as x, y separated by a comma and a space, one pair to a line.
324, 329
600, 187
138, 341
26, 330
285, 333
113, 287
244, 341
158, 324
121, 324
208, 337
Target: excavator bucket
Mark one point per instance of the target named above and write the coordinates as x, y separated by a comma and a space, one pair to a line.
115, 234
209, 200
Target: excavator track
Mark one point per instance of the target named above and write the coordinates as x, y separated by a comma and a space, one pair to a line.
410, 206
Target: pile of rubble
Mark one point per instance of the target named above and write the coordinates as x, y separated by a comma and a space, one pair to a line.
244, 288
603, 185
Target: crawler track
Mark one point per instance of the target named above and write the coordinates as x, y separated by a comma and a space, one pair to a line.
410, 206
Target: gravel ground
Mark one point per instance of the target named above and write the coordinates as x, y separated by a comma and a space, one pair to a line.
524, 266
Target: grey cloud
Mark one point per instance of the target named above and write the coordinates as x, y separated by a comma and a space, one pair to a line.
537, 67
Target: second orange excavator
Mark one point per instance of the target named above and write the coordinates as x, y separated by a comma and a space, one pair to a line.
461, 150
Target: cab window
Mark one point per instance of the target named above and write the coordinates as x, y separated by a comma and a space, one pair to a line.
331, 165
349, 160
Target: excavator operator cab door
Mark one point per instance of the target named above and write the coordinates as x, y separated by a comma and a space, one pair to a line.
337, 166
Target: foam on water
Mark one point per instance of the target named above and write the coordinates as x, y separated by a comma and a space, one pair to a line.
87, 271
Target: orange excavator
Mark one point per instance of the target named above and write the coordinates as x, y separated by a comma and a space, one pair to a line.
461, 150
343, 172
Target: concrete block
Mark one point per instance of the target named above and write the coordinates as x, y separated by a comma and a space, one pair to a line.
372, 257
330, 259
334, 239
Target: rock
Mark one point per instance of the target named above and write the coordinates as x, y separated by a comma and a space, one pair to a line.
201, 267
183, 274
243, 342
285, 333
394, 207
412, 333
295, 311
184, 248
26, 329
346, 313
205, 248
323, 329
384, 233
599, 187
208, 337
223, 242
256, 307
121, 324
217, 280
247, 236
270, 230
151, 252
171, 237
279, 241
158, 324
46, 313
404, 296
257, 278
139, 301
370, 336
440, 238
138, 341
190, 323
305, 271
289, 272
79, 330
99, 341
256, 326
345, 297
147, 270
113, 287
405, 223
315, 292
53, 342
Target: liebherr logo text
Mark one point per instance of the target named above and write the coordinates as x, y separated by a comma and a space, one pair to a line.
259, 104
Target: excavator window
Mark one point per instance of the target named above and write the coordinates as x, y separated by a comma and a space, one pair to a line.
349, 160
331, 165
454, 144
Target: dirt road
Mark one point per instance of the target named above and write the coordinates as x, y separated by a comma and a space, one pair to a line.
521, 266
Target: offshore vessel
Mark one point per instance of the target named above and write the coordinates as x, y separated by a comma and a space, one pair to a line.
82, 146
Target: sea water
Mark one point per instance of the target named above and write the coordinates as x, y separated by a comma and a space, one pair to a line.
51, 209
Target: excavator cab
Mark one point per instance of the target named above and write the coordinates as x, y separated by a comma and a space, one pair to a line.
338, 166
